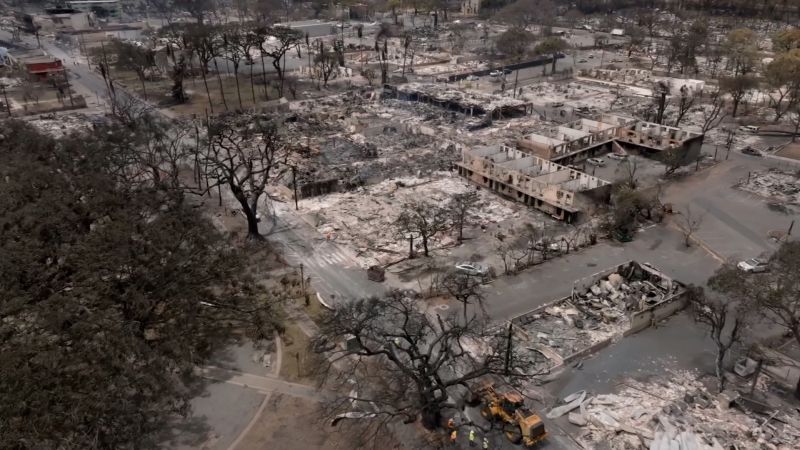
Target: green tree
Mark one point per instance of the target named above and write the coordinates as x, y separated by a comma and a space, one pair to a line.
737, 87
515, 43
110, 297
198, 9
782, 75
523, 13
551, 46
786, 40
138, 58
741, 48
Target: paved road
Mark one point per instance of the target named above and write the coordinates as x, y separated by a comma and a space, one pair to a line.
661, 246
334, 272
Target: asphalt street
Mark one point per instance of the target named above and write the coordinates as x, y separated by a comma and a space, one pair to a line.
334, 271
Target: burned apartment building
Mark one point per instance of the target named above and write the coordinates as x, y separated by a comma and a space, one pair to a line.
560, 191
586, 138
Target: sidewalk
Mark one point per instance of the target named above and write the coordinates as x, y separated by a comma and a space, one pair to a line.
263, 384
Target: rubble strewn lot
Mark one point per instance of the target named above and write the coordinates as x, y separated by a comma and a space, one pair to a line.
678, 412
364, 219
600, 312
774, 184
63, 124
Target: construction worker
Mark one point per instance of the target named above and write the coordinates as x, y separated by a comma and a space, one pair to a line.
453, 436
485, 443
472, 437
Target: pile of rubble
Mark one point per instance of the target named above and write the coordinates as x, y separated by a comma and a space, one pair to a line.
610, 299
365, 218
564, 330
63, 124
676, 413
775, 184
599, 313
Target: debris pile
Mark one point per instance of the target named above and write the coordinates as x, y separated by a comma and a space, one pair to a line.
599, 312
566, 331
678, 413
609, 299
364, 219
63, 124
775, 184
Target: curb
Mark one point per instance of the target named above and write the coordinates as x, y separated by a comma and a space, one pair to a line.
275, 371
323, 302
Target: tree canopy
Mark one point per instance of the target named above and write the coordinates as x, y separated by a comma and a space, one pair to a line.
110, 295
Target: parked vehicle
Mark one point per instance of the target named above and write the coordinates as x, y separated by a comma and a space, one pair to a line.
596, 162
472, 78
472, 269
751, 151
582, 61
557, 104
618, 156
551, 247
752, 265
507, 71
495, 73
749, 129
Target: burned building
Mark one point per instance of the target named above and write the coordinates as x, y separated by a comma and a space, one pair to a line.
602, 308
586, 138
466, 102
557, 190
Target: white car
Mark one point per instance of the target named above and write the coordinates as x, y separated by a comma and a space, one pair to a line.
618, 156
753, 265
472, 269
495, 73
596, 162
472, 78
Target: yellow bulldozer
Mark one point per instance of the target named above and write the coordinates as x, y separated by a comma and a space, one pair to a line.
520, 424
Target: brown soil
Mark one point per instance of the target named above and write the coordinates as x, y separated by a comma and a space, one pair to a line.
790, 151
295, 423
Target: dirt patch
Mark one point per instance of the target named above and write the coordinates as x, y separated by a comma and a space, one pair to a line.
298, 359
293, 423
791, 151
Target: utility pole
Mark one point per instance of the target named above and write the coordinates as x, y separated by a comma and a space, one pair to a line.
5, 97
294, 184
756, 374
508, 349
69, 89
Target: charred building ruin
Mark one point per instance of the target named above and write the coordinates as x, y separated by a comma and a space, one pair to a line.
586, 138
558, 190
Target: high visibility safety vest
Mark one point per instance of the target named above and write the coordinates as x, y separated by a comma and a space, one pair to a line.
485, 443
471, 435
453, 436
